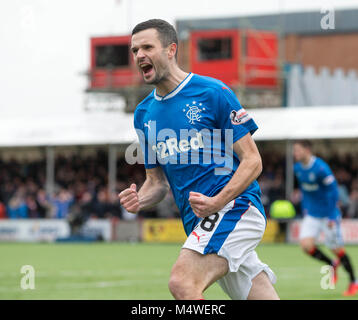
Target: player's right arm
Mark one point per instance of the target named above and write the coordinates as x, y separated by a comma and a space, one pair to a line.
153, 190
155, 186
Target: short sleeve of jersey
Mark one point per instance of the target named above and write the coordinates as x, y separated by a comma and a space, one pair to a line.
231, 115
325, 174
150, 159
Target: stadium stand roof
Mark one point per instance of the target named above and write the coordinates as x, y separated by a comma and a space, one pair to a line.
319, 122
75, 129
287, 22
324, 122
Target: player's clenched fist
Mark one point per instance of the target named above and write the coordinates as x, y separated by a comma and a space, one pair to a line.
129, 199
202, 205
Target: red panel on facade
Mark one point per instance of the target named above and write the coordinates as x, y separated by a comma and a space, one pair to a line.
261, 59
111, 63
236, 57
216, 54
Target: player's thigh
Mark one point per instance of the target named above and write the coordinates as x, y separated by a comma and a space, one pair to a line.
237, 285
311, 228
262, 288
197, 269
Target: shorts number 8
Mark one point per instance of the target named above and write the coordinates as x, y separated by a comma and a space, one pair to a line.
208, 223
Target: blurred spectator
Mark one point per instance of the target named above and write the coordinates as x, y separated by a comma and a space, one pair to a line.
115, 205
62, 202
271, 180
344, 200
33, 210
167, 208
87, 204
47, 209
17, 208
352, 211
296, 198
107, 205
102, 207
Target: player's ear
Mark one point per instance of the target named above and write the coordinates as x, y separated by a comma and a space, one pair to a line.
172, 49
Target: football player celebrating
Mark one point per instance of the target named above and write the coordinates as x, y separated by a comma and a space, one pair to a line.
195, 135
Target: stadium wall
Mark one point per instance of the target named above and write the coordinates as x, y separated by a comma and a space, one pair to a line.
349, 231
145, 230
50, 230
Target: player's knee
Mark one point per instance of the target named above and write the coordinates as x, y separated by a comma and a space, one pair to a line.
182, 288
177, 286
307, 245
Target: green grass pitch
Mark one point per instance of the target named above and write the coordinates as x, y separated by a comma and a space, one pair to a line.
141, 271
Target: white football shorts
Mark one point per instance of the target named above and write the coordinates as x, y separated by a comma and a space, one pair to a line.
233, 233
312, 227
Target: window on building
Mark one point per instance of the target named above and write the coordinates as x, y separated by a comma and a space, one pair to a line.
112, 56
214, 49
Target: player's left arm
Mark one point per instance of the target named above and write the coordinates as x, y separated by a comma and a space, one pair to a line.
249, 169
330, 185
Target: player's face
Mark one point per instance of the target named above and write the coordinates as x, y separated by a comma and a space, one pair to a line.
150, 56
299, 152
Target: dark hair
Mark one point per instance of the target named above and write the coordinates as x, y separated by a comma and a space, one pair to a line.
166, 32
304, 143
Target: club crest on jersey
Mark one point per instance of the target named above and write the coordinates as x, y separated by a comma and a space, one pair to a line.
239, 116
192, 111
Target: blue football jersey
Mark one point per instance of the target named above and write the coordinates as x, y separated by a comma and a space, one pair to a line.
189, 133
319, 189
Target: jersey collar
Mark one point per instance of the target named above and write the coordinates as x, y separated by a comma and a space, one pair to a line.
171, 94
310, 163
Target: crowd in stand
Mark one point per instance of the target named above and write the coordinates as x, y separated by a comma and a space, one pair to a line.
81, 187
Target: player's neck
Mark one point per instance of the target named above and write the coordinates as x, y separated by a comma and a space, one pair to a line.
175, 77
307, 161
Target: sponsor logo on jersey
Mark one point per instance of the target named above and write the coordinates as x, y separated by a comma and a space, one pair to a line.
169, 146
239, 117
310, 187
189, 147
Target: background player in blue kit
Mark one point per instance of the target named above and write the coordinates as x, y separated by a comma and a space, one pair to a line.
321, 212
195, 135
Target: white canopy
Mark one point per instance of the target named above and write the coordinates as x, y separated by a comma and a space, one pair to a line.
77, 129
117, 127
323, 122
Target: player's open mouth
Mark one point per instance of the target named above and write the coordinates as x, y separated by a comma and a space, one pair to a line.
146, 69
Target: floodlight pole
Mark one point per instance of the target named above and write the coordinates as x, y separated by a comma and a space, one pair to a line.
112, 168
50, 170
289, 169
